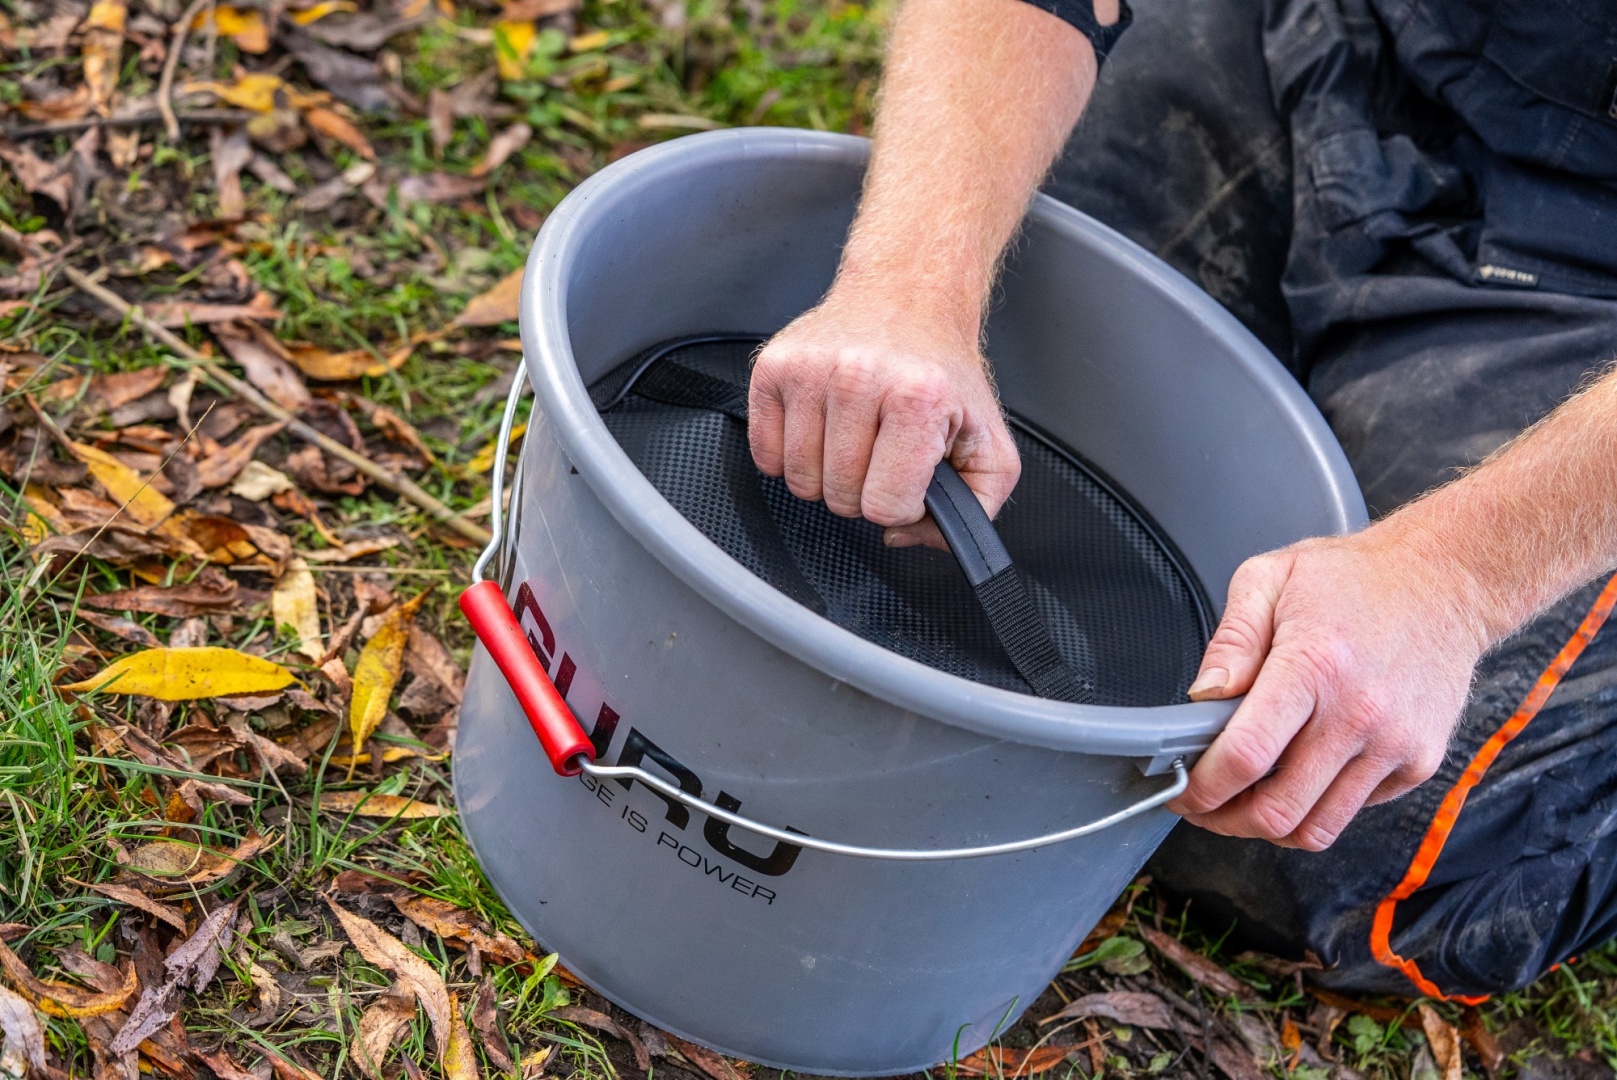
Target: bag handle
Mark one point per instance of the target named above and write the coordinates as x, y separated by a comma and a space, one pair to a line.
965, 526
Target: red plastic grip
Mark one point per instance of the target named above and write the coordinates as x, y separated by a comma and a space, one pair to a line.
497, 628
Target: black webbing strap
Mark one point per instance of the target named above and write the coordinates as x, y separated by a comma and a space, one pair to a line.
959, 516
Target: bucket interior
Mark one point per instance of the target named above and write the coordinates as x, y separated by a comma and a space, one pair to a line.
1093, 340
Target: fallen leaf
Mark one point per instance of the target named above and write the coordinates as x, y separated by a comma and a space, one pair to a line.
460, 1060
457, 925
513, 41
434, 187
187, 675
1134, 1008
192, 964
230, 152
414, 974
501, 147
182, 313
265, 361
676, 122
25, 1039
497, 305
1007, 1063
349, 78
101, 49
425, 656
365, 804
440, 120
378, 669
333, 126
172, 866
178, 601
109, 391
257, 482
1444, 1040
294, 603
36, 175
486, 1019
137, 899
1197, 967
529, 10
367, 31
124, 628
353, 549
223, 1065
142, 502
256, 92
379, 1028
316, 12
317, 363
244, 26
269, 997
221, 468
714, 1065
1482, 1041
287, 1070
60, 999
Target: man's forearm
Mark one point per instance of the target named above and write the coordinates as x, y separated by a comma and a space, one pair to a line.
977, 100
1535, 521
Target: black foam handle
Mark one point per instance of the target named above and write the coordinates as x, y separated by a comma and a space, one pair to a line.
965, 525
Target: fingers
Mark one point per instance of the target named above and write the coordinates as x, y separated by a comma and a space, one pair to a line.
766, 423
1337, 805
853, 404
1239, 645
1281, 702
918, 422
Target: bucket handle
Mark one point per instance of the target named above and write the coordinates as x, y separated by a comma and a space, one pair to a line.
571, 752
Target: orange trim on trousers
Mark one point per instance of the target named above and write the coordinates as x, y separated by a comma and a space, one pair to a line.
1448, 811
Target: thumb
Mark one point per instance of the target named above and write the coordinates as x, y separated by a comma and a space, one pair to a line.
1246, 631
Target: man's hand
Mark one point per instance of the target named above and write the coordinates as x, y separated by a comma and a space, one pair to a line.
1355, 654
855, 403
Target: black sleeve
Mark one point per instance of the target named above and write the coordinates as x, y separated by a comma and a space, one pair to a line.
1081, 13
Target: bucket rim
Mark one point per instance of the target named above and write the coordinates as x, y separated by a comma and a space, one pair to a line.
1153, 732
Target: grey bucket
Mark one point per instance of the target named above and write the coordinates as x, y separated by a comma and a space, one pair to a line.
684, 664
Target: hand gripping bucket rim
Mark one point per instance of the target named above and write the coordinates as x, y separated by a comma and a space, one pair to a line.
1155, 734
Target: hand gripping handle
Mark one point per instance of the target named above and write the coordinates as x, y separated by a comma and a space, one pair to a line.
497, 628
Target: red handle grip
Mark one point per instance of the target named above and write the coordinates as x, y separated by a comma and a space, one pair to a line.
497, 627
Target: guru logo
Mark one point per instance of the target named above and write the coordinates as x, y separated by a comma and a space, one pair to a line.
637, 750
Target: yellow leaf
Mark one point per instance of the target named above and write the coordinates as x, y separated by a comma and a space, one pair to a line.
319, 11
366, 804
460, 1060
244, 26
107, 15
42, 508
483, 460
495, 306
378, 670
140, 500
101, 50
257, 91
589, 42
60, 999
317, 363
187, 674
513, 41
293, 603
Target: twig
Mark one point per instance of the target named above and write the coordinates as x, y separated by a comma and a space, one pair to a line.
69, 127
171, 63
400, 485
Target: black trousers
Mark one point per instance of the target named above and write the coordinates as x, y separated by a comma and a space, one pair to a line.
1420, 372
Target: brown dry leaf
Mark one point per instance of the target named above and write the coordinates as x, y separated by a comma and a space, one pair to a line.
124, 628
378, 669
1444, 1040
379, 1027
497, 305
333, 125
460, 1060
1381, 1014
456, 924
257, 482
287, 1070
172, 866
294, 603
486, 1019
1002, 1061
120, 388
192, 964
433, 187
501, 147
24, 1038
365, 804
425, 656
714, 1065
186, 674
1134, 1008
1482, 1041
317, 363
181, 313
414, 974
353, 549
266, 362
440, 120
178, 601
230, 152
221, 468
60, 999
38, 176
1199, 969
137, 899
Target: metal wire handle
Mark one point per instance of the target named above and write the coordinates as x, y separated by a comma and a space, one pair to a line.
1181, 780
502, 448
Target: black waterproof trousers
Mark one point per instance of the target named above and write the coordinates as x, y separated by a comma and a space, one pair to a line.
1277, 155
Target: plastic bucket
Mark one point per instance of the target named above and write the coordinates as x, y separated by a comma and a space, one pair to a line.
679, 663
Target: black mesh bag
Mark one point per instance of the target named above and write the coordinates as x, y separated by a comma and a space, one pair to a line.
1072, 593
